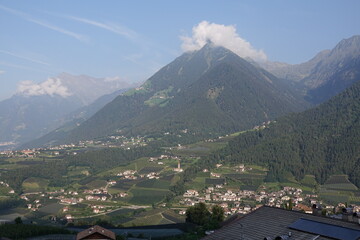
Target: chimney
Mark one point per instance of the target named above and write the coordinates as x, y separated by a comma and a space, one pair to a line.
356, 217
347, 214
316, 209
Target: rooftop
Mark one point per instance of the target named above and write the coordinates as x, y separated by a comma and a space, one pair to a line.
96, 232
274, 222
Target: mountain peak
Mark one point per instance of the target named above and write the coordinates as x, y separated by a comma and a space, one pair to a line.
210, 46
349, 46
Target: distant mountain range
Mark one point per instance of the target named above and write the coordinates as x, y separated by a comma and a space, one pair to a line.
208, 92
36, 109
327, 74
212, 91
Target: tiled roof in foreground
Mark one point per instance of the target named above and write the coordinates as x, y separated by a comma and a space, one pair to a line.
273, 222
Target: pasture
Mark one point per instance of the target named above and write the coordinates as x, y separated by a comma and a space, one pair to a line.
34, 184
147, 196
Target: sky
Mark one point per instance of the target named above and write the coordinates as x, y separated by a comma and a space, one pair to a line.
132, 39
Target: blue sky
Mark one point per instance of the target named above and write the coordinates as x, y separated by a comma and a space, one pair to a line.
133, 39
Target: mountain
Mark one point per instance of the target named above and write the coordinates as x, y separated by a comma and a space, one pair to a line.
207, 92
336, 71
24, 118
36, 109
294, 72
72, 120
328, 73
320, 141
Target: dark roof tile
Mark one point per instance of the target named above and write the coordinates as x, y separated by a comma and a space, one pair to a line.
272, 222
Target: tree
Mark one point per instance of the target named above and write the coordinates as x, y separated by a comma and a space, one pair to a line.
290, 205
217, 213
198, 214
18, 220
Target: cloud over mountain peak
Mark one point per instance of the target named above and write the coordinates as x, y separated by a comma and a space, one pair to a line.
52, 86
220, 35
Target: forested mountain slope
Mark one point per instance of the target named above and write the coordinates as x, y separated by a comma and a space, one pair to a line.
209, 92
320, 141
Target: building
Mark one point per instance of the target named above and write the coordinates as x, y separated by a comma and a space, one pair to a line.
271, 223
96, 232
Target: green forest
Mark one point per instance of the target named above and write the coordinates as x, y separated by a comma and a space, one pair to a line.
320, 141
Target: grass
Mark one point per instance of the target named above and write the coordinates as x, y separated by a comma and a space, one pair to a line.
342, 186
337, 179
197, 184
337, 189
334, 198
339, 182
22, 231
11, 166
355, 199
154, 183
137, 165
309, 181
214, 181
96, 184
52, 208
125, 185
147, 196
200, 148
155, 217
76, 171
35, 184
149, 169
146, 220
4, 190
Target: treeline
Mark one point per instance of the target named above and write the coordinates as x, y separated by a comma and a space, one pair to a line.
321, 141
53, 171
21, 231
8, 203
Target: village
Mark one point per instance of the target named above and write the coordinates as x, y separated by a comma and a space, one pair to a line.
98, 201
113, 141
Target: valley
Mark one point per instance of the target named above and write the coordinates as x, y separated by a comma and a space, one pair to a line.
157, 188
210, 129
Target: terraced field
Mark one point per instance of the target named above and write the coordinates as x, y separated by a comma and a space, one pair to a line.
338, 188
340, 182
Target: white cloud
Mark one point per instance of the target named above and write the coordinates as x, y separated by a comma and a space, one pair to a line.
59, 29
2, 71
45, 24
112, 27
25, 58
220, 35
52, 86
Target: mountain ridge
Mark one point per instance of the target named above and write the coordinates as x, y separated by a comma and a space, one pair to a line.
173, 98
